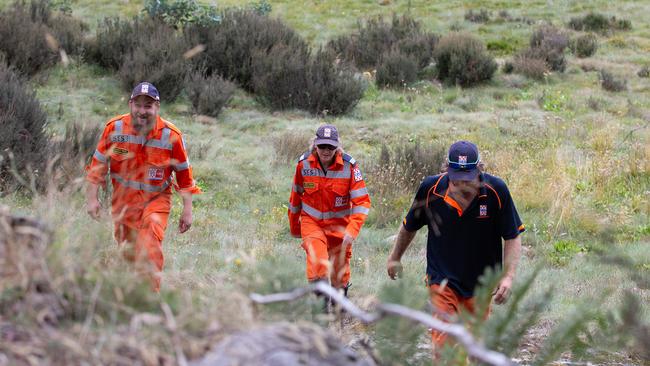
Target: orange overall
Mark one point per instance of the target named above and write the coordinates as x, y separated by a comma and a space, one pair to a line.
141, 170
323, 207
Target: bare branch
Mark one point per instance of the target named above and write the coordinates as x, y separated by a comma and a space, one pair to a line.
474, 348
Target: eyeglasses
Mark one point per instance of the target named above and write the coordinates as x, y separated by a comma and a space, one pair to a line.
463, 166
326, 147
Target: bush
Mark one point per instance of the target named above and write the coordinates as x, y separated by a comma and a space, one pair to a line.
181, 12
533, 68
612, 83
231, 44
23, 123
22, 30
289, 77
288, 146
548, 43
596, 22
142, 49
508, 67
73, 151
585, 45
208, 95
396, 70
481, 16
366, 47
644, 72
462, 59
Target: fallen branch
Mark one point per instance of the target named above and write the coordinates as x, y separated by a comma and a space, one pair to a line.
474, 349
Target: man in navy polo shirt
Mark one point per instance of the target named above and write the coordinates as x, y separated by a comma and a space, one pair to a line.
468, 213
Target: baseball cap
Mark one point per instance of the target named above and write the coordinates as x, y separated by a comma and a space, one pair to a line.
327, 134
462, 160
145, 88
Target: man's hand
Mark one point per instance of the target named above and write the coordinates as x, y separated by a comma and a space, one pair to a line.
394, 269
502, 292
347, 240
93, 208
185, 221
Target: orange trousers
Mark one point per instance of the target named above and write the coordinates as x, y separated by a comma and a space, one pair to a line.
142, 242
326, 257
447, 302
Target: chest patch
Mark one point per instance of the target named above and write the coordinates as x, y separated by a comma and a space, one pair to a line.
310, 173
309, 185
341, 201
482, 211
155, 173
120, 151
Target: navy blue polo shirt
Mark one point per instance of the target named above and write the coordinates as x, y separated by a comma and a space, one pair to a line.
462, 244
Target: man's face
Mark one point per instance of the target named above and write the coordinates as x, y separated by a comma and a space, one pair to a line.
464, 187
144, 111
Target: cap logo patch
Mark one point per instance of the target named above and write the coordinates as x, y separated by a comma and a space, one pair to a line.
145, 88
327, 132
462, 159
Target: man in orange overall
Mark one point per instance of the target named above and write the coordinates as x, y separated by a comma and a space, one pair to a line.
141, 150
328, 205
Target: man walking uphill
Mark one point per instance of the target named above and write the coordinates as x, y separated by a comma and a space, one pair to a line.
141, 150
328, 205
467, 212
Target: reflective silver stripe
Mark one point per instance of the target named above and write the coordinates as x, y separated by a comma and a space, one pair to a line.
163, 143
118, 127
297, 188
358, 192
324, 215
360, 209
295, 209
99, 156
305, 164
345, 173
182, 166
141, 186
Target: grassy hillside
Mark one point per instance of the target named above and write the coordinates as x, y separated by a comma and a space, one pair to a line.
576, 159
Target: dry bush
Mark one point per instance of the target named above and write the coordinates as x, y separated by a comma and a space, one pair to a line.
394, 175
366, 46
584, 46
612, 83
208, 94
533, 68
71, 153
481, 16
548, 43
396, 70
644, 72
596, 22
462, 59
23, 141
289, 146
231, 45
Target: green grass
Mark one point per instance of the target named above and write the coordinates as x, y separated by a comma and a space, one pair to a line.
576, 174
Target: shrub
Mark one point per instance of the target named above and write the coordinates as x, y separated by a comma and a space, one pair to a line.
288, 146
462, 59
533, 68
22, 30
73, 151
481, 16
181, 12
396, 69
548, 43
208, 95
501, 46
585, 45
23, 142
287, 77
596, 22
231, 44
366, 47
612, 83
508, 67
644, 72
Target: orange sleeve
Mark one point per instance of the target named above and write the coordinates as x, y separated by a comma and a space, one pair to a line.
295, 201
98, 167
181, 165
360, 202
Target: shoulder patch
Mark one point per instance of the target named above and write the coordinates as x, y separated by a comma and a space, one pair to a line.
304, 156
349, 159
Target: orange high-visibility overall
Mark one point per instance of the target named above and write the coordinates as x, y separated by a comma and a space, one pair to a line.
323, 207
141, 170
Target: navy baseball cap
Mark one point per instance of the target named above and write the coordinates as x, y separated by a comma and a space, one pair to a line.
327, 135
147, 89
463, 160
